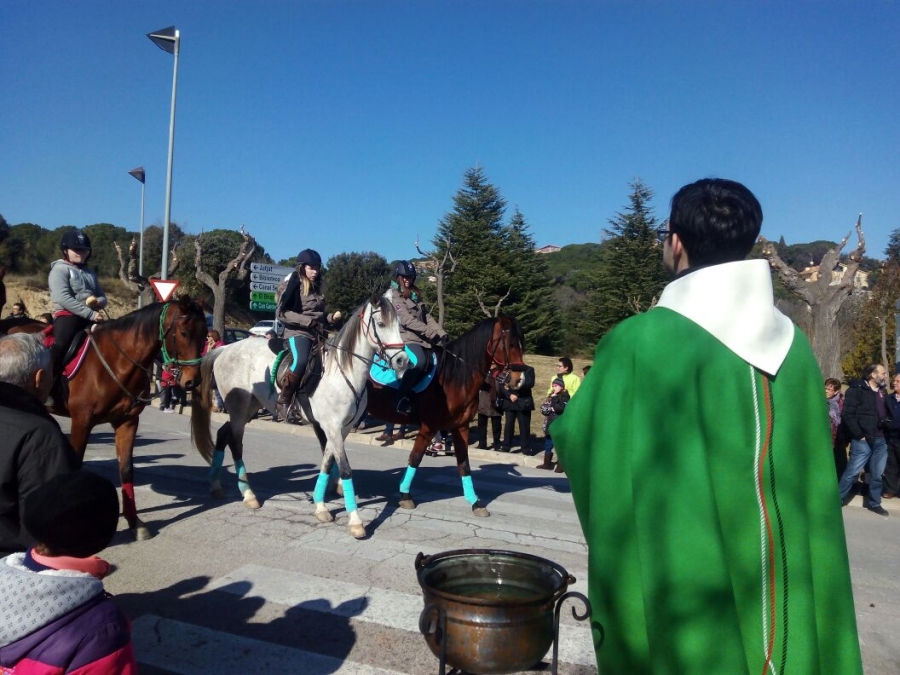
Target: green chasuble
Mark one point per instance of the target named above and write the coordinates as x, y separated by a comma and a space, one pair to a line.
706, 492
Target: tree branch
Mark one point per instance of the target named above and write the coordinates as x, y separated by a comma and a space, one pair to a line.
788, 275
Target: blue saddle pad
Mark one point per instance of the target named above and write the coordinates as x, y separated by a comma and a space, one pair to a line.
382, 373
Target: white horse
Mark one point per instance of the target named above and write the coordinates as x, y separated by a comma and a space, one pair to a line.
242, 373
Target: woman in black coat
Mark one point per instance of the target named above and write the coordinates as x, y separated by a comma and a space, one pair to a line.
517, 403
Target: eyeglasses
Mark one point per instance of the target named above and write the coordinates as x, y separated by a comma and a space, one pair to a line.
662, 233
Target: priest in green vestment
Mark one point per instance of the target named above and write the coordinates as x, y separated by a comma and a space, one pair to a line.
699, 455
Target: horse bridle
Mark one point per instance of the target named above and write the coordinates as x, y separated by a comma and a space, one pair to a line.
164, 332
369, 330
504, 366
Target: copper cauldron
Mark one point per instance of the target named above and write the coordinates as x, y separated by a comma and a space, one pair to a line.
489, 612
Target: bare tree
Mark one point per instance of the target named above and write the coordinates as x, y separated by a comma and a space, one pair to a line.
496, 312
443, 267
823, 297
133, 281
236, 269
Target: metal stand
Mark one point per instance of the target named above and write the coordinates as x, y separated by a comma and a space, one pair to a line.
438, 626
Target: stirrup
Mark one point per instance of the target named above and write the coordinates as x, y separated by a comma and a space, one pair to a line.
404, 406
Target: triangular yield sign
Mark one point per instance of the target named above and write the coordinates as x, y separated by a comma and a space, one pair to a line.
164, 288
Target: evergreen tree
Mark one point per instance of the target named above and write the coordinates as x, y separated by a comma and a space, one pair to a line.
633, 275
892, 251
353, 277
474, 233
530, 300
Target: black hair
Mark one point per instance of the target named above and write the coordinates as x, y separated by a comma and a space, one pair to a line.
717, 220
567, 362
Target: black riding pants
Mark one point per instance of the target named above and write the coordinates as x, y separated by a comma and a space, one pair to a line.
415, 372
300, 347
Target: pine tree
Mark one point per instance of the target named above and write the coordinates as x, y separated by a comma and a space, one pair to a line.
474, 232
633, 275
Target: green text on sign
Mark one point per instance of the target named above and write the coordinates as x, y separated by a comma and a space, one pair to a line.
262, 296
262, 306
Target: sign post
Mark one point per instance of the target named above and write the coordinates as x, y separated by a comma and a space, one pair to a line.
264, 282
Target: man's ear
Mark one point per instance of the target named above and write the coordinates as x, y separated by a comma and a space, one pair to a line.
42, 383
679, 254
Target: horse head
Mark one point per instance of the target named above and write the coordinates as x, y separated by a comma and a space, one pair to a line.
381, 327
506, 348
182, 329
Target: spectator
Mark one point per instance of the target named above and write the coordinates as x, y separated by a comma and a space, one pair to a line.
584, 371
55, 616
564, 370
835, 405
18, 311
696, 463
517, 402
552, 408
865, 417
892, 468
32, 447
46, 317
170, 392
214, 341
388, 436
487, 410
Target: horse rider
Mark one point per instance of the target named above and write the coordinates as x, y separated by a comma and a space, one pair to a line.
301, 308
76, 294
418, 329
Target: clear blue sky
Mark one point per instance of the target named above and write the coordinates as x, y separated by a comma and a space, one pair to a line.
348, 126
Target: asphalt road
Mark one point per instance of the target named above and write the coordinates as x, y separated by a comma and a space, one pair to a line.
223, 589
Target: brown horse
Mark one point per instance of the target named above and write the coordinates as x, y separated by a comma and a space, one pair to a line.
113, 383
451, 400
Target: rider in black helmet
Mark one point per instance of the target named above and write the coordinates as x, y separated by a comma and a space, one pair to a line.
419, 330
76, 294
301, 308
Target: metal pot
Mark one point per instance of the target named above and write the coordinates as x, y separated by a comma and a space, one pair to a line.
489, 612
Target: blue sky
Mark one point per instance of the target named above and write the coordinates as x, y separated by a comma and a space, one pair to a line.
348, 126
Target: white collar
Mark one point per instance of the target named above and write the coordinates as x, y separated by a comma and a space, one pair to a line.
734, 303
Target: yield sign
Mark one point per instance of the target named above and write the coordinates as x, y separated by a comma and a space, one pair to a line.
164, 288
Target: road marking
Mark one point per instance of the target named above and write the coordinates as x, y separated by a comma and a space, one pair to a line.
186, 649
365, 603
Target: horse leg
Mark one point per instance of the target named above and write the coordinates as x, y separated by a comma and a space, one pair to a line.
329, 466
423, 438
223, 440
356, 525
334, 473
461, 446
125, 433
237, 452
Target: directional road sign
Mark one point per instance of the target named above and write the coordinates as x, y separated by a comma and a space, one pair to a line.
271, 269
262, 296
266, 277
259, 286
262, 306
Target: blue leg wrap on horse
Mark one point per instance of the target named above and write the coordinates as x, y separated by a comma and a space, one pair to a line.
349, 496
243, 485
335, 470
469, 490
216, 467
407, 479
321, 485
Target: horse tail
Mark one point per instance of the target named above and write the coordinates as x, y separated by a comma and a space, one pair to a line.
201, 436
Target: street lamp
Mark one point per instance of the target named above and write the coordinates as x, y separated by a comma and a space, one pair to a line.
169, 40
139, 174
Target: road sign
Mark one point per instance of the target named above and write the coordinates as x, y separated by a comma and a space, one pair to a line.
262, 296
267, 278
164, 288
262, 306
271, 269
259, 286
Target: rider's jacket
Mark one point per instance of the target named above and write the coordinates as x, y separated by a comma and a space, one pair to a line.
417, 326
70, 285
302, 314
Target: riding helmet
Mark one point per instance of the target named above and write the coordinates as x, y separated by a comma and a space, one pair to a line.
75, 239
309, 257
404, 268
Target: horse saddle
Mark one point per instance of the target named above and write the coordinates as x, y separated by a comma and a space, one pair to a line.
311, 376
381, 372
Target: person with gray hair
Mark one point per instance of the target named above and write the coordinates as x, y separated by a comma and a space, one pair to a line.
33, 448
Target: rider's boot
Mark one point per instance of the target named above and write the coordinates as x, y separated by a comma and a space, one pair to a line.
404, 404
292, 381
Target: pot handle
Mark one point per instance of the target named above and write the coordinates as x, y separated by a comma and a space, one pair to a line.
429, 624
421, 560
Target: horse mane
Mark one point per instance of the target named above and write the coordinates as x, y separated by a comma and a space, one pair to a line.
465, 356
143, 321
348, 336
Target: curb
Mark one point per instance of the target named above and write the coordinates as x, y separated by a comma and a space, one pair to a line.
367, 437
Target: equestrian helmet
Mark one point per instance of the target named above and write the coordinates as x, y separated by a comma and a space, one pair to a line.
309, 257
404, 268
75, 239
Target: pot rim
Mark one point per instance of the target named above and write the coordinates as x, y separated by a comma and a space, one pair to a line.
424, 563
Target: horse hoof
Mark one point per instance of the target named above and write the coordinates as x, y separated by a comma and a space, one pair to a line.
406, 502
479, 510
358, 531
250, 500
324, 517
339, 488
141, 532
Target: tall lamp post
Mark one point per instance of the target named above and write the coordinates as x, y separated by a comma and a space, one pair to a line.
140, 175
169, 40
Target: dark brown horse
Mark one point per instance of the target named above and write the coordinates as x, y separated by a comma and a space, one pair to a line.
113, 383
451, 400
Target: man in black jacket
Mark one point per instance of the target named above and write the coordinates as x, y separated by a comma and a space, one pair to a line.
517, 403
865, 417
33, 449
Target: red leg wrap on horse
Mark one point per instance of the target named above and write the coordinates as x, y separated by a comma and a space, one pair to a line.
129, 509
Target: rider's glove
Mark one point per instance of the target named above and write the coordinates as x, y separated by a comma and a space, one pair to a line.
444, 340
